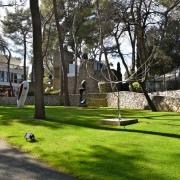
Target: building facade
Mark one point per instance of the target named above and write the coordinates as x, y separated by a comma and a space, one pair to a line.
16, 75
90, 70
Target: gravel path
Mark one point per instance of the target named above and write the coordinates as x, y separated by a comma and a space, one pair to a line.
15, 165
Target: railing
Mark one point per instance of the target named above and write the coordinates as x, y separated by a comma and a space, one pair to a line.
169, 81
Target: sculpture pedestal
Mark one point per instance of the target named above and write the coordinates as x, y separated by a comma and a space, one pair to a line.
83, 105
117, 122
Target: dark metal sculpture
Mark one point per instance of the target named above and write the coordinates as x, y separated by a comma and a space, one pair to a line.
30, 137
82, 93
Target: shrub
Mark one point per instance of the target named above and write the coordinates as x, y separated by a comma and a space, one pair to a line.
135, 87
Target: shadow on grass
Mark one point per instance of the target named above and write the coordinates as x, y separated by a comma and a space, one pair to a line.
15, 165
100, 162
58, 117
165, 116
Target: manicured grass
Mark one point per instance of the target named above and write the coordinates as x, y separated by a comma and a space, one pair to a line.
72, 141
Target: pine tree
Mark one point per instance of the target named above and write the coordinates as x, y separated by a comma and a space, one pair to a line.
17, 27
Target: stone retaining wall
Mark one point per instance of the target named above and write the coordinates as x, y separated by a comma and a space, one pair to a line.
8, 100
167, 103
55, 100
175, 94
130, 100
50, 100
92, 100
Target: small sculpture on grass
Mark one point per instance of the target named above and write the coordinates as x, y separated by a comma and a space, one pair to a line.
82, 92
30, 137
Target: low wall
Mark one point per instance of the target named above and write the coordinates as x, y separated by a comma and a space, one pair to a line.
99, 100
175, 94
55, 100
167, 103
8, 100
130, 100
50, 100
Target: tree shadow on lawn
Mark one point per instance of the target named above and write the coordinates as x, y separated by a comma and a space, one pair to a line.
100, 162
9, 115
167, 124
58, 118
55, 116
173, 116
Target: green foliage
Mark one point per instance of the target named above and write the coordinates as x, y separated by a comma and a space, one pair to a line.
166, 3
135, 87
17, 27
17, 24
162, 63
86, 23
171, 42
72, 141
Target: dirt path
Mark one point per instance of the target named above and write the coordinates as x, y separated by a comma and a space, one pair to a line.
15, 165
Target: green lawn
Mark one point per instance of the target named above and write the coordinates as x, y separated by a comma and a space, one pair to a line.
72, 141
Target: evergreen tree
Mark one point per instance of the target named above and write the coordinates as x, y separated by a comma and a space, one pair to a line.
119, 77
119, 74
17, 27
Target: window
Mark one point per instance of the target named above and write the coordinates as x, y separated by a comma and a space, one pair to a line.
19, 78
11, 75
5, 77
15, 78
2, 76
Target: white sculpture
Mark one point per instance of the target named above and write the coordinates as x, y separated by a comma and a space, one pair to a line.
23, 91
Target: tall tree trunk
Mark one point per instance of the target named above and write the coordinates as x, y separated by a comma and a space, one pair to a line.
140, 60
9, 75
61, 80
150, 103
76, 77
25, 52
61, 48
32, 72
142, 55
75, 51
38, 60
100, 29
8, 57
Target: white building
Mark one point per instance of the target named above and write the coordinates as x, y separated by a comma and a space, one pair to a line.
16, 74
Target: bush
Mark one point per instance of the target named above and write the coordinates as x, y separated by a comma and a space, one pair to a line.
135, 87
